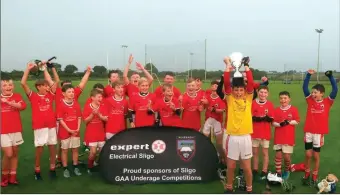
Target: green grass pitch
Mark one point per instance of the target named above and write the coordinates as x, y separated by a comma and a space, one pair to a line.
330, 158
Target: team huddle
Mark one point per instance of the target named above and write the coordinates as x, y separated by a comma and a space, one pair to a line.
249, 116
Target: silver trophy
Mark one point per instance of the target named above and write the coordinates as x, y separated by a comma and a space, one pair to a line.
236, 61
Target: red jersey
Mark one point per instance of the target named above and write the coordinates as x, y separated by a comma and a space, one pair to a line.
43, 115
59, 95
191, 117
10, 116
262, 130
207, 92
108, 91
159, 92
201, 92
95, 131
318, 115
139, 104
117, 109
131, 90
218, 104
70, 114
286, 134
168, 116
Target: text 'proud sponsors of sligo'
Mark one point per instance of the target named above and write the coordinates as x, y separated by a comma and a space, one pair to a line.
158, 155
132, 175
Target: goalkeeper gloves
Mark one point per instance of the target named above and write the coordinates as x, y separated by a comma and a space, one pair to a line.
284, 123
257, 119
268, 119
245, 61
328, 73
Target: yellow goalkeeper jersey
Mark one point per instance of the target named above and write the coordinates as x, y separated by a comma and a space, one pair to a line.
239, 120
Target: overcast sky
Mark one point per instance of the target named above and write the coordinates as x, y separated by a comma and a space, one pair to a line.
82, 32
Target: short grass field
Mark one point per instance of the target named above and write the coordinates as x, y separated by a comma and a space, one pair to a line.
95, 184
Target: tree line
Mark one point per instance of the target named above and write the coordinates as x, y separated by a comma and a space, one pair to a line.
100, 72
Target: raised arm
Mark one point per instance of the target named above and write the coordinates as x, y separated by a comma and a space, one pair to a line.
250, 79
334, 91
227, 84
25, 77
306, 82
126, 70
85, 78
55, 76
49, 80
146, 73
219, 89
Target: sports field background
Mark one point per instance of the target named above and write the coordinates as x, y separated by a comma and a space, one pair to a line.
330, 158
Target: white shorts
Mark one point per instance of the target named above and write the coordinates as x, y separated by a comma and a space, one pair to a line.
260, 142
109, 135
71, 142
45, 136
96, 144
11, 139
316, 139
212, 123
285, 148
239, 147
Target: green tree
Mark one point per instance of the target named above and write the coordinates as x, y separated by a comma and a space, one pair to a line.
57, 66
148, 68
100, 70
70, 69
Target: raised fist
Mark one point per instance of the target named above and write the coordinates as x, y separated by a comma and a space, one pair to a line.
328, 73
130, 59
311, 71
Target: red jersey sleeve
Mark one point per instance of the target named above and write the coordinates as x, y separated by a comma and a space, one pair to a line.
131, 104
221, 104
296, 115
104, 110
126, 106
271, 110
155, 106
78, 111
227, 84
158, 92
20, 100
77, 92
256, 85
176, 103
87, 111
60, 112
329, 101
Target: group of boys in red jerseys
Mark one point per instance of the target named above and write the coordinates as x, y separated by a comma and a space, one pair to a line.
107, 109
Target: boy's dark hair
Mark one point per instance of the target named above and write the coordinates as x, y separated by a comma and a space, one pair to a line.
66, 87
111, 72
95, 92
117, 83
198, 79
40, 82
134, 72
98, 86
284, 93
238, 82
166, 86
263, 87
169, 74
66, 82
319, 87
214, 83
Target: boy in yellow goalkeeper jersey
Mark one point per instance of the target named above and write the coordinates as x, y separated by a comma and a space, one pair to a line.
239, 126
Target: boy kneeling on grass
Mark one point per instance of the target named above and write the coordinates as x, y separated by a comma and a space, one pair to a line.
95, 115
69, 117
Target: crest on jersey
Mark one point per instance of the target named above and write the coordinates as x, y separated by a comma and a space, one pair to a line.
47, 100
186, 147
290, 115
322, 106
